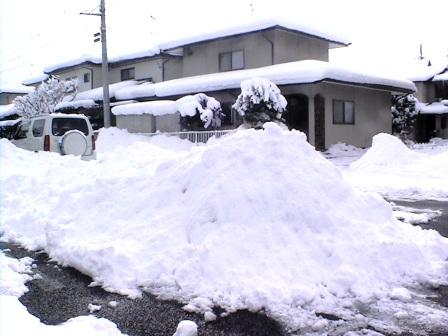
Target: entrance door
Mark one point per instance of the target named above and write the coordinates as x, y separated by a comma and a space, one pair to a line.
296, 115
319, 122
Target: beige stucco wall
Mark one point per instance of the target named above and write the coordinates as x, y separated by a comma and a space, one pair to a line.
372, 112
289, 47
95, 77
168, 123
136, 123
143, 69
147, 123
426, 91
204, 58
7, 98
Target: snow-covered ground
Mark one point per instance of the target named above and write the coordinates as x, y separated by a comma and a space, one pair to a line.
394, 170
257, 220
15, 319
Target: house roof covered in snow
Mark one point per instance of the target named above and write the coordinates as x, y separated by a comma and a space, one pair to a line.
36, 79
83, 59
97, 93
7, 110
432, 108
421, 70
255, 26
441, 77
301, 72
16, 89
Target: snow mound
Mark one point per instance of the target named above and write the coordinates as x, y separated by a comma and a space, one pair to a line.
393, 169
258, 220
387, 150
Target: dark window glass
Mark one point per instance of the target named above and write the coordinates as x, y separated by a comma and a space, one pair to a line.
60, 126
443, 122
86, 77
231, 60
338, 112
237, 60
22, 131
225, 61
343, 112
38, 127
128, 73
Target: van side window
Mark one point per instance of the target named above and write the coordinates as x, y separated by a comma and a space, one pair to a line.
38, 127
22, 131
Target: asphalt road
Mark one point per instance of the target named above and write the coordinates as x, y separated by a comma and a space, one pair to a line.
62, 293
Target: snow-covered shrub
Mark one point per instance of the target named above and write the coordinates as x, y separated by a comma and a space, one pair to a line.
260, 101
404, 113
199, 110
44, 99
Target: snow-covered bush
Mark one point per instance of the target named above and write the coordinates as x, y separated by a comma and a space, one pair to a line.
260, 101
45, 98
199, 110
404, 113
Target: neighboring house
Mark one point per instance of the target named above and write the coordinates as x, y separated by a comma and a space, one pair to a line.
328, 103
8, 115
7, 95
432, 94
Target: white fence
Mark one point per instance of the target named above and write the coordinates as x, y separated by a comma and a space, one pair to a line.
194, 136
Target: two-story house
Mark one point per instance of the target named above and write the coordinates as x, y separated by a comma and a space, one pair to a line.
328, 103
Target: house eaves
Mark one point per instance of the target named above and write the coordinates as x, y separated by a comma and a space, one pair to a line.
293, 73
253, 27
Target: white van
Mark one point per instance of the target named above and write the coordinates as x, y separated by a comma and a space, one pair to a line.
62, 133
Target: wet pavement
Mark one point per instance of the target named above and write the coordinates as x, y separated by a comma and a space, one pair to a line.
61, 293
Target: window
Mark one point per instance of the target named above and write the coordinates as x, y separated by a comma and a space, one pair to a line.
86, 77
38, 127
22, 131
75, 78
443, 122
128, 73
62, 125
231, 60
343, 112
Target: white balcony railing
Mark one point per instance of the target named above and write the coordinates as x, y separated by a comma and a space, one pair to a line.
194, 136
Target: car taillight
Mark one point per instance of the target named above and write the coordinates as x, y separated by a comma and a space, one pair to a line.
93, 142
47, 143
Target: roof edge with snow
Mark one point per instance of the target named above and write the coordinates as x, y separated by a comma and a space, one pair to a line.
260, 26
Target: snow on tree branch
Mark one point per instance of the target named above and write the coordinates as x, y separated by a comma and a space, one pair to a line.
260, 101
44, 99
404, 113
208, 109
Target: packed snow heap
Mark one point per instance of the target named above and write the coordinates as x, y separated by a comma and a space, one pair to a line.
256, 220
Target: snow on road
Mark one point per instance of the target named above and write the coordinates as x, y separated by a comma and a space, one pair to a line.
257, 220
15, 319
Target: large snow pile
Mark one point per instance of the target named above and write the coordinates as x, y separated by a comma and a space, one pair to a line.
257, 220
391, 168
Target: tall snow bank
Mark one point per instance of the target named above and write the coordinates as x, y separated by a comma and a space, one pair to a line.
257, 220
393, 169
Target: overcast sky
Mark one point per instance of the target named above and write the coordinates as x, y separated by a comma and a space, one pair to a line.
35, 34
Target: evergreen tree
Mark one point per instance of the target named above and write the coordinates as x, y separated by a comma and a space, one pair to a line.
260, 101
404, 112
44, 99
199, 111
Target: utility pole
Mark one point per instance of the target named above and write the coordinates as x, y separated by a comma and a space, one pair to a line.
104, 63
